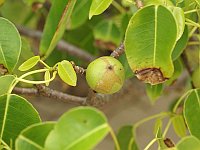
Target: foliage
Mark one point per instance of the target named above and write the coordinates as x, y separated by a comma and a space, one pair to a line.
156, 35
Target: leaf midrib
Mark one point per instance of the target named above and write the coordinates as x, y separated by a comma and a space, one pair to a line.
86, 135
155, 35
1, 50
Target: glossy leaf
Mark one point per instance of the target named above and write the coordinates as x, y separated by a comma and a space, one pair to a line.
47, 77
188, 143
10, 44
180, 45
179, 125
16, 114
196, 77
192, 112
125, 138
5, 82
34, 136
149, 43
81, 127
67, 73
98, 7
80, 14
180, 20
154, 91
30, 63
55, 25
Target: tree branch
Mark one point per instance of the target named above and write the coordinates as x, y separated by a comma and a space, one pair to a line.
118, 51
47, 92
139, 4
62, 45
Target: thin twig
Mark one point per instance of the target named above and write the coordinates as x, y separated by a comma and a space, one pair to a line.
119, 51
62, 45
48, 92
139, 4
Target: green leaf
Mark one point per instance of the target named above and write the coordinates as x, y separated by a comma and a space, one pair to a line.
192, 112
196, 77
107, 31
149, 43
128, 72
158, 2
178, 69
16, 114
34, 136
5, 82
180, 45
180, 20
188, 143
47, 77
179, 125
80, 14
67, 73
154, 91
10, 44
81, 127
30, 63
98, 7
125, 138
55, 25
158, 134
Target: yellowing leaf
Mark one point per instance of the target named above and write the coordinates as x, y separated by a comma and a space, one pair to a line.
98, 7
67, 73
30, 63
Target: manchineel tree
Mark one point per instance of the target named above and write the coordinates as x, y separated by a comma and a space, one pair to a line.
147, 39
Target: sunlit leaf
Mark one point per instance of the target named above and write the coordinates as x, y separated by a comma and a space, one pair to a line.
188, 143
47, 77
5, 82
149, 43
34, 136
10, 44
180, 20
30, 63
98, 7
67, 73
81, 127
179, 125
16, 114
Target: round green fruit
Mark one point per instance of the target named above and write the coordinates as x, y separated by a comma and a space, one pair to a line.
105, 75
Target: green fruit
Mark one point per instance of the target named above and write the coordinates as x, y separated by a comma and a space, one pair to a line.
105, 75
196, 78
